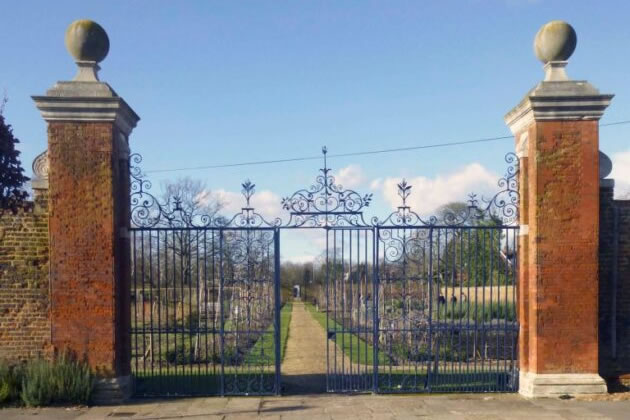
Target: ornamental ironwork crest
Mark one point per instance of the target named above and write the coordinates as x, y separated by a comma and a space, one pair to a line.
324, 204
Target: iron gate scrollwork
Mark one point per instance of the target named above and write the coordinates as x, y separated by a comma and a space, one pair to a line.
412, 303
446, 295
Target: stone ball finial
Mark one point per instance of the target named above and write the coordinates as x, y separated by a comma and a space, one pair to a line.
555, 41
86, 40
605, 165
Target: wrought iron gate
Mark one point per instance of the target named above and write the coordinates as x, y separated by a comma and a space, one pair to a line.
412, 303
205, 300
350, 282
446, 305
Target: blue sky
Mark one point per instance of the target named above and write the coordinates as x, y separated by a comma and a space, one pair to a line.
231, 81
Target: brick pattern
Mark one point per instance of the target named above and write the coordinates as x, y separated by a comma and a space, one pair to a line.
523, 272
87, 207
562, 261
619, 365
24, 299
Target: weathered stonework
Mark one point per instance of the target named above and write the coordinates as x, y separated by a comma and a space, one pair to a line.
83, 184
24, 285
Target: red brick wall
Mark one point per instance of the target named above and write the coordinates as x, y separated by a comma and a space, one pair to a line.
523, 257
611, 365
85, 212
24, 300
563, 254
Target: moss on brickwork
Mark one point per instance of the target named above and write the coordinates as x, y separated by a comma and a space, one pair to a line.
88, 266
562, 261
24, 299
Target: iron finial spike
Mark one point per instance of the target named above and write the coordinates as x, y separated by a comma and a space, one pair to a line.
326, 192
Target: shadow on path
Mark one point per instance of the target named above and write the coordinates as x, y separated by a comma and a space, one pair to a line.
314, 383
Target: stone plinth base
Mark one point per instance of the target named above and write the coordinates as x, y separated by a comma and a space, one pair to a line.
541, 385
109, 391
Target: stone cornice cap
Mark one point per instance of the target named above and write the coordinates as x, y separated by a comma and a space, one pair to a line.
557, 98
558, 101
86, 101
86, 98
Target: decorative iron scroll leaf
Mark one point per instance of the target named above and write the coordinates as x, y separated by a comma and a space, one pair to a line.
146, 210
504, 204
248, 217
149, 211
41, 165
326, 203
411, 243
249, 246
502, 207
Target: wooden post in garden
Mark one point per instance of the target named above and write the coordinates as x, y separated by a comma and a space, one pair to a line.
556, 130
88, 130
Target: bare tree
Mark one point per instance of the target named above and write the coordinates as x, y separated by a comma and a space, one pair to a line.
181, 252
192, 204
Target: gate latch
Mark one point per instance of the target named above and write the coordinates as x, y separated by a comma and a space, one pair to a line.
331, 335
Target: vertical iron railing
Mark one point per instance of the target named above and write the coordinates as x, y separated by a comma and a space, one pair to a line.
205, 314
276, 300
446, 305
413, 304
350, 317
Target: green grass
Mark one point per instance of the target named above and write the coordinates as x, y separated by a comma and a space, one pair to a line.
263, 351
354, 347
236, 382
254, 376
477, 312
446, 382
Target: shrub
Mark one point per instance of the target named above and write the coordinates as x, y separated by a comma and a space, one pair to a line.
65, 380
10, 382
191, 320
72, 380
37, 384
478, 312
180, 356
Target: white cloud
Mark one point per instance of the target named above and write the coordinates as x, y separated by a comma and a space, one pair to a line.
376, 184
265, 202
299, 259
350, 177
313, 239
207, 197
621, 173
303, 245
428, 194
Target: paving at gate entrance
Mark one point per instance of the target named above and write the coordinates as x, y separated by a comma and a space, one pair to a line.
345, 407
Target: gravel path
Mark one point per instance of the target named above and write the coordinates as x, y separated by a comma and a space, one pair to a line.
304, 365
